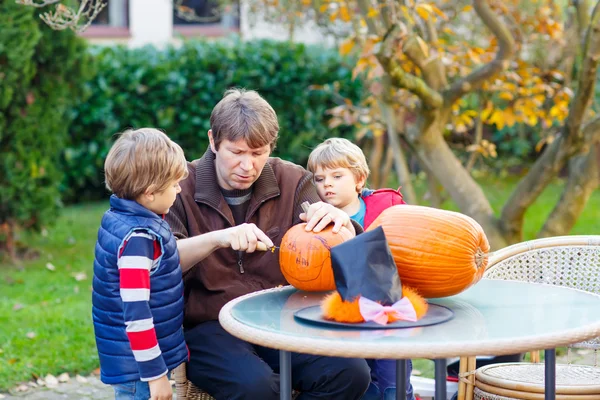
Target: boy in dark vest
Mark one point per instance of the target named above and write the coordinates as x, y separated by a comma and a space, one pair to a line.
137, 300
340, 172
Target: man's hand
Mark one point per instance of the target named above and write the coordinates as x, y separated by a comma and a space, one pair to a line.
321, 214
243, 237
160, 389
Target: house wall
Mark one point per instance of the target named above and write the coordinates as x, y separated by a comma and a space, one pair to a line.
151, 23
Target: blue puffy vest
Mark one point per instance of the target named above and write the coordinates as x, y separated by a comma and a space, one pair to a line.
117, 364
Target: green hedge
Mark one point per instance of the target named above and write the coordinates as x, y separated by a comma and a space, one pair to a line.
40, 80
176, 88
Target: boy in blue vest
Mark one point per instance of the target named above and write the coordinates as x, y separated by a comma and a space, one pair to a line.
340, 172
137, 300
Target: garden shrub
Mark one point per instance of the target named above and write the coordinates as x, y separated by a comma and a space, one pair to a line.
41, 78
175, 89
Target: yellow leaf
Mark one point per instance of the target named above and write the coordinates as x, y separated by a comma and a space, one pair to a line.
406, 14
333, 16
372, 12
424, 11
485, 114
323, 8
467, 8
506, 96
439, 12
509, 117
532, 120
345, 14
346, 46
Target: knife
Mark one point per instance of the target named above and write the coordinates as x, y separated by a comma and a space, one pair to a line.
260, 246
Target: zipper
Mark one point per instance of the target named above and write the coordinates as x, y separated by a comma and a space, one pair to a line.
240, 263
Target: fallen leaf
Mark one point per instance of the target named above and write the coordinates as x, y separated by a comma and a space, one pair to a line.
18, 306
64, 377
50, 267
30, 334
80, 379
12, 361
80, 276
22, 388
51, 380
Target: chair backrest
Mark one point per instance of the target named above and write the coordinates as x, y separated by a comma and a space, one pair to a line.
570, 261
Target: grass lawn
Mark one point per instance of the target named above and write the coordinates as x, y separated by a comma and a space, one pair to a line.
45, 306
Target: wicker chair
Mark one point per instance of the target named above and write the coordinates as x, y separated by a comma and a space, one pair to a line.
570, 261
185, 389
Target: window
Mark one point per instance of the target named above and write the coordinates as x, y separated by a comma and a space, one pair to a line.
115, 14
205, 17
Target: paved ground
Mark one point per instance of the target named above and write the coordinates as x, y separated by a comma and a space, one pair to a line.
88, 388
91, 388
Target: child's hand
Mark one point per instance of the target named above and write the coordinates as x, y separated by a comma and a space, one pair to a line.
321, 214
160, 389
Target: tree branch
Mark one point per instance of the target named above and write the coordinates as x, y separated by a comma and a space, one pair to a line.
364, 10
587, 79
591, 131
402, 79
35, 4
499, 63
582, 181
572, 141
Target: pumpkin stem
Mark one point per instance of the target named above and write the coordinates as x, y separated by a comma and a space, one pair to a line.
479, 257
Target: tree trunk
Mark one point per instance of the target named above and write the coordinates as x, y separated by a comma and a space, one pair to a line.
400, 164
375, 160
435, 154
582, 181
387, 166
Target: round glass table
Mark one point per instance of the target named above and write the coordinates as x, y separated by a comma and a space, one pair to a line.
494, 317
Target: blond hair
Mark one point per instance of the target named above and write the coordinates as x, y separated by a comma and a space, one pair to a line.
243, 114
339, 153
143, 159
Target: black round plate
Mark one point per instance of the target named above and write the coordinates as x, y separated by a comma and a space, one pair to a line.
436, 314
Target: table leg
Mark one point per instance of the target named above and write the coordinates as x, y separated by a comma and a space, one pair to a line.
400, 379
440, 379
550, 374
285, 375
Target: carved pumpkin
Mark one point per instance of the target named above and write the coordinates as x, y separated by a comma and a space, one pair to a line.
304, 257
439, 253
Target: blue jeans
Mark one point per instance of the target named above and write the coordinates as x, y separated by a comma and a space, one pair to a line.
137, 390
229, 368
383, 380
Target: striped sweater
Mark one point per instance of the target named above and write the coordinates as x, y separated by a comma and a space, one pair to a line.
138, 256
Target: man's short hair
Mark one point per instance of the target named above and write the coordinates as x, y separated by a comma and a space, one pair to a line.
141, 159
243, 114
339, 153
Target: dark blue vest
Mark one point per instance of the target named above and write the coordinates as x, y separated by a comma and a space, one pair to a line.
117, 364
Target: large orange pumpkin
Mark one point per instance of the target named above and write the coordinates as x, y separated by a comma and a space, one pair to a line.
305, 259
439, 253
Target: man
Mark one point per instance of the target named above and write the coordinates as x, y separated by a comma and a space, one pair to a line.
235, 197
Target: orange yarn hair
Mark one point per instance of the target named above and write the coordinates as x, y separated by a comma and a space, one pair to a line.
335, 309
